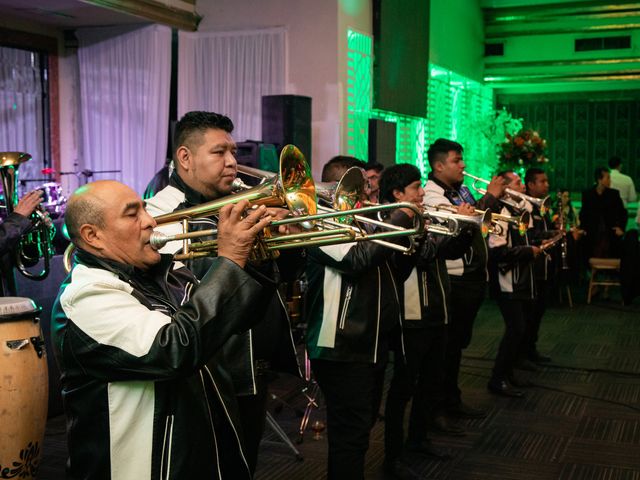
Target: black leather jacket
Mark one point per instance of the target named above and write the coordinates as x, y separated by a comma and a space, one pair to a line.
352, 302
132, 347
424, 282
472, 265
511, 263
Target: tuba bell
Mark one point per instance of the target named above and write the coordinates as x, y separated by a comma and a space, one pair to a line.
38, 242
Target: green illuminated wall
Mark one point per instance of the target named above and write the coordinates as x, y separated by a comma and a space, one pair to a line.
456, 108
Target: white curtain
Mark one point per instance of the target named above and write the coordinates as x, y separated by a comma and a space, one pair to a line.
124, 100
21, 116
229, 72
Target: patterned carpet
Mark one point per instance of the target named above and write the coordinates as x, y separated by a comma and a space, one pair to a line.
580, 420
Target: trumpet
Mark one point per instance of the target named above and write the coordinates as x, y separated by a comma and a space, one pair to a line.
544, 204
521, 221
481, 219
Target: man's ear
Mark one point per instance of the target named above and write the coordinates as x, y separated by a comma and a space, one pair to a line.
183, 157
90, 236
398, 194
438, 166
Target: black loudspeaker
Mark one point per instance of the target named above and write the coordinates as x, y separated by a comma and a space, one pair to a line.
382, 142
401, 56
286, 119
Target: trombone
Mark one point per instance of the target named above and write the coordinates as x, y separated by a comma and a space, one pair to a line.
544, 204
346, 195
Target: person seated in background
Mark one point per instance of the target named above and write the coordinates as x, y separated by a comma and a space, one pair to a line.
132, 332
373, 171
566, 216
424, 292
603, 218
12, 228
333, 170
621, 182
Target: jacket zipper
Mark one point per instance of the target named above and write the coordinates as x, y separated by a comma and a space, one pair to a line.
395, 291
345, 305
375, 349
425, 291
444, 298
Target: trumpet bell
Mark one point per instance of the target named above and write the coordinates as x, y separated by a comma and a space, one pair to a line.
297, 184
350, 190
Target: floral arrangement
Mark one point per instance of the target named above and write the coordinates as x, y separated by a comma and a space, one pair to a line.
524, 149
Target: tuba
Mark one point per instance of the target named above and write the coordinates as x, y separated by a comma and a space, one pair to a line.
38, 242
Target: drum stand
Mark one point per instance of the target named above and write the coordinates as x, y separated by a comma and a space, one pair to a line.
283, 436
310, 391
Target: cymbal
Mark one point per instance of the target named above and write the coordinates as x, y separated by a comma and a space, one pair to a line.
12, 159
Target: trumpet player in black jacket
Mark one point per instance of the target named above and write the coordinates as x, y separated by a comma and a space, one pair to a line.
512, 283
424, 289
537, 186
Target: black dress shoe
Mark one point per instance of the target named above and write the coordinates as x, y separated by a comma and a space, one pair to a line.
462, 410
519, 382
440, 424
537, 357
427, 449
526, 364
504, 389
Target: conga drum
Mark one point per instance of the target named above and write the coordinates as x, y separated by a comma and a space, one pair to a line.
23, 388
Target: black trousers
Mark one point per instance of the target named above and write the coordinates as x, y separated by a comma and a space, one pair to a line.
252, 410
352, 392
466, 300
533, 326
516, 315
418, 376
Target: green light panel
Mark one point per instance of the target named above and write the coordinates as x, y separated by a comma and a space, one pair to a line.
457, 109
359, 83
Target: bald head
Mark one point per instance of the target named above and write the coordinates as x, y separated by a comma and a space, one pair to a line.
108, 219
89, 203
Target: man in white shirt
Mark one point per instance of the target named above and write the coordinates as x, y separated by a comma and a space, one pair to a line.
621, 182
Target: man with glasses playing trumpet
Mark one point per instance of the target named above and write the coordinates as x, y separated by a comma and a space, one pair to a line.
205, 170
138, 337
468, 273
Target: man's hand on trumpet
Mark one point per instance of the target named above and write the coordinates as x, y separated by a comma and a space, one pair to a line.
496, 187
280, 214
465, 209
237, 233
